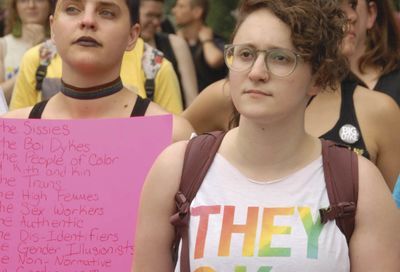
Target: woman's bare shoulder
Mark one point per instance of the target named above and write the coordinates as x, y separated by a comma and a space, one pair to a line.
18, 114
374, 101
182, 129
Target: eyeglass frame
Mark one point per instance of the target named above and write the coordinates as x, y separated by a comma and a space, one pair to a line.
267, 53
24, 2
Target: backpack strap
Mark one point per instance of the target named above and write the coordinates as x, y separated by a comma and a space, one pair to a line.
47, 51
341, 176
199, 155
151, 64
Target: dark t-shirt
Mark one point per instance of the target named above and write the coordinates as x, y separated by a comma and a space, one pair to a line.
205, 74
390, 85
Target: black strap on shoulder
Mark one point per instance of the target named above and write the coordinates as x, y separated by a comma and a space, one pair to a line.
199, 155
41, 72
37, 110
140, 107
341, 177
150, 86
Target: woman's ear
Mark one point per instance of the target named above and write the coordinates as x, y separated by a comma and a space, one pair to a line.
133, 36
51, 21
314, 90
372, 14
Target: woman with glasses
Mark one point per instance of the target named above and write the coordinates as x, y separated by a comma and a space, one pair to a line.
244, 216
27, 25
366, 121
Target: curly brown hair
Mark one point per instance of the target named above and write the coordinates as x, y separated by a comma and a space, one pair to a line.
318, 28
383, 40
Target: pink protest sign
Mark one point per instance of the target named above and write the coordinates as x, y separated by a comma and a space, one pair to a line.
69, 191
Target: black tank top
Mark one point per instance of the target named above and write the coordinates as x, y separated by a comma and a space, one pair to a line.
390, 85
347, 130
139, 109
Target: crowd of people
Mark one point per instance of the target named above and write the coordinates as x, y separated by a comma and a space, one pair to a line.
294, 72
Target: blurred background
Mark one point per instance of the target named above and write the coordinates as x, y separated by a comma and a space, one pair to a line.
220, 15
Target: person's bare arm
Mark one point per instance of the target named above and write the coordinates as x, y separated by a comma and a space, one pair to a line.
387, 132
154, 232
186, 68
18, 114
379, 118
6, 85
375, 244
212, 54
212, 109
181, 128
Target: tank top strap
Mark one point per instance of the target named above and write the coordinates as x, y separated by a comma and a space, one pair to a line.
347, 110
140, 107
348, 118
37, 110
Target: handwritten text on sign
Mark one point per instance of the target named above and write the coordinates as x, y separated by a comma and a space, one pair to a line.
69, 191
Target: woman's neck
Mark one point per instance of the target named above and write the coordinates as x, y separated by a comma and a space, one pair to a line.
33, 34
276, 149
151, 41
370, 75
106, 107
88, 77
190, 33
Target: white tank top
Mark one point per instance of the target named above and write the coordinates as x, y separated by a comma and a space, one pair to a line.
13, 50
241, 225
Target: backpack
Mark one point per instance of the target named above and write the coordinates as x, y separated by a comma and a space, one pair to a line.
151, 64
340, 167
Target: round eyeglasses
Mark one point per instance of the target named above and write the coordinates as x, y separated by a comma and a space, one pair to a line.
279, 62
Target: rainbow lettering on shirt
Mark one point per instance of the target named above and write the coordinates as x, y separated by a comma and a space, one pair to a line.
257, 220
237, 269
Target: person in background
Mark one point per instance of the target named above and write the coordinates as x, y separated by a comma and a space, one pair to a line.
91, 37
245, 215
376, 60
167, 26
2, 19
206, 46
173, 47
366, 121
27, 25
41, 66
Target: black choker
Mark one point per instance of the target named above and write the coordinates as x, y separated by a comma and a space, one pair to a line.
92, 92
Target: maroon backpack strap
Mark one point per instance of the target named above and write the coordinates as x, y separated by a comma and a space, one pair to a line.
199, 155
341, 177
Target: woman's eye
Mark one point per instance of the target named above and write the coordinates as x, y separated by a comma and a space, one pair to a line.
246, 54
280, 58
353, 4
107, 13
71, 10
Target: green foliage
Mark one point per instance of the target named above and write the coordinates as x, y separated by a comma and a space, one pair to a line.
397, 4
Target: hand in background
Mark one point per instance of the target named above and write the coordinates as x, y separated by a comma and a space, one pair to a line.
205, 34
